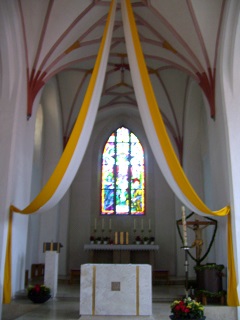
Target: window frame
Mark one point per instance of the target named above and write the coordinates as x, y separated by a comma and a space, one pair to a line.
130, 178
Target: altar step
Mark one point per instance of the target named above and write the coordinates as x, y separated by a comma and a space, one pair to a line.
66, 305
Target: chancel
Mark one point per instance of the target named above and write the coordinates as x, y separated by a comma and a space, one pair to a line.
113, 116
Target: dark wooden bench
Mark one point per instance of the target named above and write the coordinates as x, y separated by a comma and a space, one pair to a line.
37, 270
158, 275
74, 275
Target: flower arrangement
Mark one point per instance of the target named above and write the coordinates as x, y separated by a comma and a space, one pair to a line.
138, 239
39, 293
146, 240
152, 239
187, 308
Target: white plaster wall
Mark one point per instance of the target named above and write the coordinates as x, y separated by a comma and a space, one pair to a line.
16, 143
36, 184
52, 225
229, 96
52, 150
160, 205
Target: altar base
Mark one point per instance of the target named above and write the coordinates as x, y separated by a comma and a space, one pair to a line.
116, 289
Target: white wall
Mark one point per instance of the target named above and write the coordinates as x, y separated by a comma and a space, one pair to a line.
160, 206
52, 225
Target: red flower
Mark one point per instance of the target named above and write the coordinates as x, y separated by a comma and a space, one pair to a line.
37, 288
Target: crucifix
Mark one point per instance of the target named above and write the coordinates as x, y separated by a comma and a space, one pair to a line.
197, 226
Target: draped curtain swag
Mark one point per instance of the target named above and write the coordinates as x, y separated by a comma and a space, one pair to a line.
160, 142
72, 156
166, 158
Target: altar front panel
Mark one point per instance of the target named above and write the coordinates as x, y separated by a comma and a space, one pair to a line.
116, 289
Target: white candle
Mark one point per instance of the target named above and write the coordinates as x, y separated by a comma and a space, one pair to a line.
95, 224
110, 224
149, 224
184, 227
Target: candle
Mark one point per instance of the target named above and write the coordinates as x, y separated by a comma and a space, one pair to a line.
110, 224
149, 224
95, 224
184, 227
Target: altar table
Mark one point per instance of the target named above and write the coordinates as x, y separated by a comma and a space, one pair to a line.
116, 289
121, 253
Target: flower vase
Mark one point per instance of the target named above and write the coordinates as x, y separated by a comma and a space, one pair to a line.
39, 298
174, 318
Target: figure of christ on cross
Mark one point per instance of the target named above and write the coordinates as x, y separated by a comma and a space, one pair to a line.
197, 226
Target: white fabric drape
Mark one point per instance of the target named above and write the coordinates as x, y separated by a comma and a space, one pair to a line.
72, 156
152, 120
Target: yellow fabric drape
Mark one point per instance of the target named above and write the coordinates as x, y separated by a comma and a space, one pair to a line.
232, 297
164, 141
7, 286
56, 178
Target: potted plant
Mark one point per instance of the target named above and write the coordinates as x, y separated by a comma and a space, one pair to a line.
152, 239
105, 240
145, 240
39, 293
187, 308
138, 240
99, 240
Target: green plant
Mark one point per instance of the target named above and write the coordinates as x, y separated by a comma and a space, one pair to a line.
187, 309
38, 290
209, 266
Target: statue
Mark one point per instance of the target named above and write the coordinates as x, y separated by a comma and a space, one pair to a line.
197, 227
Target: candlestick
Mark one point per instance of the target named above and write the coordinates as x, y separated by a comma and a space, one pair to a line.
149, 225
184, 227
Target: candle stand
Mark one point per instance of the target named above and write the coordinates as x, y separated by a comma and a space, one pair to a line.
186, 264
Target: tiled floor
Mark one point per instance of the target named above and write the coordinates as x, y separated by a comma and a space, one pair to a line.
66, 306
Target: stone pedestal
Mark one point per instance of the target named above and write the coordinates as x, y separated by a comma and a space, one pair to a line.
51, 271
116, 289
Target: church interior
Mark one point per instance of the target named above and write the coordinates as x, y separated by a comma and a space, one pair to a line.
73, 74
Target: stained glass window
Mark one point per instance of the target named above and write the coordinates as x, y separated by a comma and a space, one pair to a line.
123, 175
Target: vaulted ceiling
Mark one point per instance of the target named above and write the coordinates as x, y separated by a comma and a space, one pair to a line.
180, 41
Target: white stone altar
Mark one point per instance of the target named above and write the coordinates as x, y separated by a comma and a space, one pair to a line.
116, 289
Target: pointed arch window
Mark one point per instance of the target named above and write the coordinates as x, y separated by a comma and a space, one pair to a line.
123, 175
